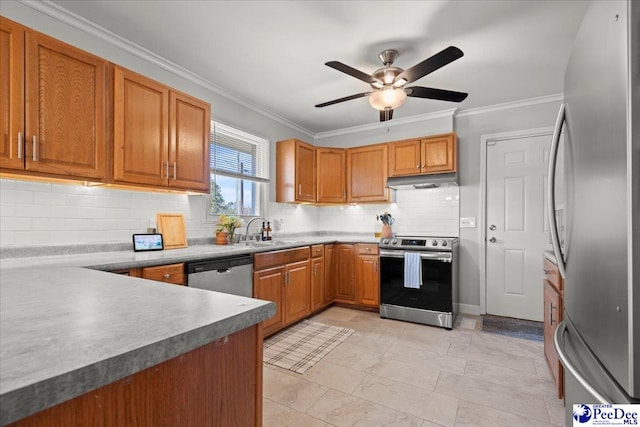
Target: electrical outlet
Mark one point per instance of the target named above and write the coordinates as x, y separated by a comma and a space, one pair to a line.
468, 222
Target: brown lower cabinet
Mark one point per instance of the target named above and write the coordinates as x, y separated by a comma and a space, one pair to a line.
553, 309
284, 278
304, 280
218, 384
345, 273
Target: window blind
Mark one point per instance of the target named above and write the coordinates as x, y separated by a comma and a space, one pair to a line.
238, 154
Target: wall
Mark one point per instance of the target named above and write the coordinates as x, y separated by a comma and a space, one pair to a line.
470, 126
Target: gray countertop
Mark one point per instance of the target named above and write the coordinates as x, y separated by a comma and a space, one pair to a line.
122, 260
65, 329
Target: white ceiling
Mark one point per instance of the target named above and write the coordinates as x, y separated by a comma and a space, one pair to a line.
271, 54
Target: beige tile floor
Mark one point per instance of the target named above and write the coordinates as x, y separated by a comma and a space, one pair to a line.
391, 373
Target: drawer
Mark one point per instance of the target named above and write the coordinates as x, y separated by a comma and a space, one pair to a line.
172, 273
317, 251
270, 259
367, 248
552, 274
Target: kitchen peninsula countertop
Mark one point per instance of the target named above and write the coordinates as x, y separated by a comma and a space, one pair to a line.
66, 330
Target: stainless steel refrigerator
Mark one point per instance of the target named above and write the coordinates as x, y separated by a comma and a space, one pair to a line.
599, 340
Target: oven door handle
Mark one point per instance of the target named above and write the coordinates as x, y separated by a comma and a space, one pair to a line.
436, 256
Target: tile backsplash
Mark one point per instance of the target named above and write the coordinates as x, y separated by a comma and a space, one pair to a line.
37, 213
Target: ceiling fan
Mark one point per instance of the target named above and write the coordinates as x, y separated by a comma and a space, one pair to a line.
389, 82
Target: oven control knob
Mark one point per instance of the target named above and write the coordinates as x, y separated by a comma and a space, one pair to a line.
434, 243
394, 242
385, 241
444, 243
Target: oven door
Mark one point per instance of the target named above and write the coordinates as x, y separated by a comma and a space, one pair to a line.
435, 294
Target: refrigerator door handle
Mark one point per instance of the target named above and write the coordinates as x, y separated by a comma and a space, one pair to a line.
551, 185
558, 343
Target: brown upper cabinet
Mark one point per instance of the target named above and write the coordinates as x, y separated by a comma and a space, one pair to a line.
53, 106
367, 174
295, 172
161, 136
331, 175
436, 154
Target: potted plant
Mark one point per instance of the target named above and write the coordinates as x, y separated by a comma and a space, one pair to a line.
226, 228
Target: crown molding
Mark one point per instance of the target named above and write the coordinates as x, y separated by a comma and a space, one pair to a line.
383, 125
515, 104
76, 21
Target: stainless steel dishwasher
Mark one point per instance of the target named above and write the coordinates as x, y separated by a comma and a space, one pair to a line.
231, 275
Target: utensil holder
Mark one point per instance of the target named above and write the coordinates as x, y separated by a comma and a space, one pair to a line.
386, 231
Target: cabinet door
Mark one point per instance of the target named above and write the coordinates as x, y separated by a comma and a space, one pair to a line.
368, 280
305, 172
267, 285
317, 282
345, 285
141, 129
331, 176
11, 94
405, 158
552, 317
297, 298
295, 171
65, 109
329, 273
439, 154
189, 143
367, 174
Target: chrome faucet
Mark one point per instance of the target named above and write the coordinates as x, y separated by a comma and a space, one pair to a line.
246, 234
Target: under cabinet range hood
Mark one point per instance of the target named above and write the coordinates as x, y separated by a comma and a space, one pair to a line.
423, 181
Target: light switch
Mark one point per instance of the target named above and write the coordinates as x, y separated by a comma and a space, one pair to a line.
468, 222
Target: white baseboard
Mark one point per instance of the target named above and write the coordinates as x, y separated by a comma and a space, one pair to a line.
469, 309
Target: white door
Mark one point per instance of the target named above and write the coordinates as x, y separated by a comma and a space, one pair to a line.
517, 225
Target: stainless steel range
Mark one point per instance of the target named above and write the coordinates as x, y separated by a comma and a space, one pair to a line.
419, 279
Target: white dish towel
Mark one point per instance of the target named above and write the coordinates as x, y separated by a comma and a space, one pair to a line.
412, 270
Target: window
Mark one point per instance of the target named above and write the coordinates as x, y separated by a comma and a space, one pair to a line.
239, 171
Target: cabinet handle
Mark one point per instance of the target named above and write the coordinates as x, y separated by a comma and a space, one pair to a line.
417, 166
550, 313
166, 275
175, 174
368, 249
19, 145
299, 189
423, 166
167, 169
35, 148
375, 266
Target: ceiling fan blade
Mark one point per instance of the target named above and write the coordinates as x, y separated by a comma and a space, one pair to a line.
352, 72
431, 64
386, 115
431, 93
346, 98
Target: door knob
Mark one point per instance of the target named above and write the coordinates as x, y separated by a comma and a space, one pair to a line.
492, 240
492, 227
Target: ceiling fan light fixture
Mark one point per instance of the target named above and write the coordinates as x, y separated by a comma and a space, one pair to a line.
399, 83
387, 98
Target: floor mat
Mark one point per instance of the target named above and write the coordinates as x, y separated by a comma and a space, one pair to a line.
517, 328
301, 346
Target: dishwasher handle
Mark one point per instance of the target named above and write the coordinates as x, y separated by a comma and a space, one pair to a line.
217, 264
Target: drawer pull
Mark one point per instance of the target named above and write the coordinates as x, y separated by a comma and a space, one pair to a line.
166, 275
